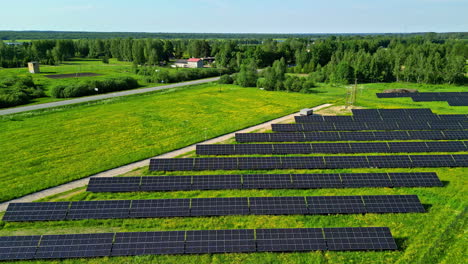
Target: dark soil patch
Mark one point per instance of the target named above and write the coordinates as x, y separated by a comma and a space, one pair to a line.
72, 75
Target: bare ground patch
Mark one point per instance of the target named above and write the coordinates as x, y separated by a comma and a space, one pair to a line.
71, 75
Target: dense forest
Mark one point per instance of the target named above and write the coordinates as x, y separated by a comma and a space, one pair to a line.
36, 35
336, 59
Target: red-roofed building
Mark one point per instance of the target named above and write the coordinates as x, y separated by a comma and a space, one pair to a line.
195, 63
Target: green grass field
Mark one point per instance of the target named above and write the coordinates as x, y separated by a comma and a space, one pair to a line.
131, 128
46, 148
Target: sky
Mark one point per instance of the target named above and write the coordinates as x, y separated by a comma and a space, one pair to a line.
236, 16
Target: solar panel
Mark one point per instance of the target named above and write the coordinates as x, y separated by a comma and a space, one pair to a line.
18, 247
356, 136
368, 147
446, 125
160, 208
460, 160
335, 205
432, 161
114, 184
398, 147
219, 206
322, 136
98, 209
366, 113
456, 134
251, 149
171, 164
446, 146
354, 180
216, 182
267, 181
215, 164
393, 204
259, 163
291, 149
148, 243
302, 163
252, 137
382, 126
453, 117
424, 179
331, 148
215, 149
165, 183
359, 238
306, 119
75, 246
277, 205
413, 125
36, 211
287, 137
401, 161
350, 126
430, 135
340, 162
283, 240
287, 127
314, 181
220, 241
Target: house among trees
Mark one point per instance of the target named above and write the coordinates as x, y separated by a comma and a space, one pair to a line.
190, 63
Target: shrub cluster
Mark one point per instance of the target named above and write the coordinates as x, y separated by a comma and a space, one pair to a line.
89, 87
226, 79
18, 90
162, 75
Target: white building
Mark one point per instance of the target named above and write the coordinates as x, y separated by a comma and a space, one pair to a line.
190, 63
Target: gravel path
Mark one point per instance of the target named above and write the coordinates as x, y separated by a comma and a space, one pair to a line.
102, 96
129, 167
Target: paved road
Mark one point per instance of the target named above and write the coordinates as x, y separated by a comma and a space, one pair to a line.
102, 96
132, 166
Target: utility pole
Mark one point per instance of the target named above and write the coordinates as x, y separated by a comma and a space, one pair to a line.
351, 94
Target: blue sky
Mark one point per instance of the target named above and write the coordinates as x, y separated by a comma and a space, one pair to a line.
249, 16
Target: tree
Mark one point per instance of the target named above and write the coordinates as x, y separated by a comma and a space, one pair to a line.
247, 76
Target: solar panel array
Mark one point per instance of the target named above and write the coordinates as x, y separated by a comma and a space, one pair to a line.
363, 126
194, 242
314, 162
352, 136
453, 98
221, 206
264, 181
384, 147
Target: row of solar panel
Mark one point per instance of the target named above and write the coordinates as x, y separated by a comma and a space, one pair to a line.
452, 99
319, 118
362, 126
308, 148
55, 211
195, 242
352, 136
262, 181
315, 162
435, 94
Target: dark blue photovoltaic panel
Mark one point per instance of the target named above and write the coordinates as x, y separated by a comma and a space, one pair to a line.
98, 209
302, 162
160, 208
446, 146
335, 205
215, 149
356, 136
354, 180
220, 241
460, 160
291, 149
148, 243
18, 247
284, 240
340, 162
215, 164
114, 184
219, 206
331, 148
36, 211
408, 147
246, 149
267, 181
259, 163
165, 183
368, 147
432, 161
394, 161
216, 182
393, 204
424, 179
252, 137
359, 238
75, 246
322, 136
314, 181
277, 205
456, 134
171, 164
287, 137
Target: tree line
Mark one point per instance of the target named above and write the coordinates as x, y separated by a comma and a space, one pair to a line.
344, 59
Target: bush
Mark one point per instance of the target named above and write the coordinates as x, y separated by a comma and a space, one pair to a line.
88, 87
18, 90
226, 79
